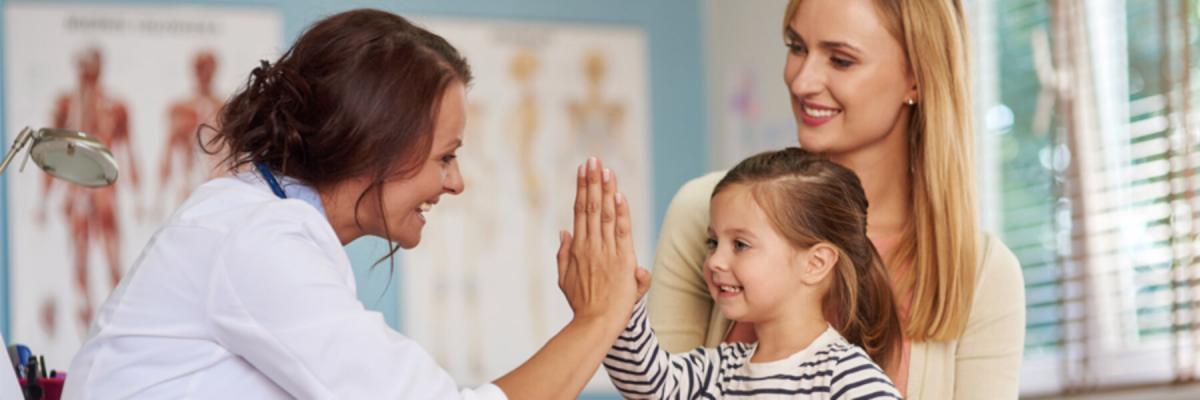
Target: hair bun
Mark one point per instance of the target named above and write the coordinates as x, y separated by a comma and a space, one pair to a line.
260, 72
280, 94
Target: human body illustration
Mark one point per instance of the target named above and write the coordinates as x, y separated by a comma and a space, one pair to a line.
524, 123
182, 167
91, 214
479, 225
597, 123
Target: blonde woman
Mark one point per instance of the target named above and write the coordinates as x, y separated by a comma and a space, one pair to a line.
881, 87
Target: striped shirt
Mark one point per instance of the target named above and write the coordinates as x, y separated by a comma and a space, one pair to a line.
829, 368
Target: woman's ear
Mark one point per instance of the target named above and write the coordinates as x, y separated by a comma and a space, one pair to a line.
822, 258
914, 96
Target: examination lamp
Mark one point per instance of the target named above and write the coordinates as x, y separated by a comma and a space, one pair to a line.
70, 155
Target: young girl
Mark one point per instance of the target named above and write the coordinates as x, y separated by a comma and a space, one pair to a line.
788, 251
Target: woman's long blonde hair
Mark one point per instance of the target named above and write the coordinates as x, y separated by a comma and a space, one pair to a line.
940, 241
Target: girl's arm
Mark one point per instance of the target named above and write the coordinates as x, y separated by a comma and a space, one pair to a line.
640, 369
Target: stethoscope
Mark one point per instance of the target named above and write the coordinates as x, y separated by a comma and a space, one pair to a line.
274, 184
270, 178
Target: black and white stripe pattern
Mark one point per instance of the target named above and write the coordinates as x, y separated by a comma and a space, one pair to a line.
830, 368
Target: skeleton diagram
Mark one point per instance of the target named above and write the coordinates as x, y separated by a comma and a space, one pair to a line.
596, 125
524, 123
479, 225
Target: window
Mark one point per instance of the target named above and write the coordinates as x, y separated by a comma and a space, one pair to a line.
1088, 148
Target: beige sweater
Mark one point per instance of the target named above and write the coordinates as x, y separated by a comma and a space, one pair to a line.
984, 363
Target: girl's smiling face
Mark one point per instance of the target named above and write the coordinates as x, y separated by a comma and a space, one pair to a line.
752, 271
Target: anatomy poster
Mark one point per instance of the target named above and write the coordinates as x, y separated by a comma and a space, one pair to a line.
141, 80
481, 293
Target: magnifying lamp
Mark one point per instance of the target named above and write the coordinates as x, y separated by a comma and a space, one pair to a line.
70, 155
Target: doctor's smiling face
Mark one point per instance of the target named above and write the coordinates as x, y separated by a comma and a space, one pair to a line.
407, 199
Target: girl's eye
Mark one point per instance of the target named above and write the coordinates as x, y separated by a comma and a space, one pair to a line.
740, 245
710, 243
446, 159
841, 62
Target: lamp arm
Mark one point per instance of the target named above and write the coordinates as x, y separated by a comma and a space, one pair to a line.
22, 139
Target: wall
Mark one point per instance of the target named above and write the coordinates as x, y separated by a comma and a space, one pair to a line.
748, 107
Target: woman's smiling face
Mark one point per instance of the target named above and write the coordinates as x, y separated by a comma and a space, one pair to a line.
848, 76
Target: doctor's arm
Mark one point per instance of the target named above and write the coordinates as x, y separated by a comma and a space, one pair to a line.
288, 309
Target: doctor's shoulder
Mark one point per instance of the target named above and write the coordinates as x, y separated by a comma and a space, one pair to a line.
240, 210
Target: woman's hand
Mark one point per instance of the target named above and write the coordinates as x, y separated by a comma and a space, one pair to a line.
597, 267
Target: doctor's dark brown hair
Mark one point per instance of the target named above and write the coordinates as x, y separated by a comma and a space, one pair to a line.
811, 200
355, 96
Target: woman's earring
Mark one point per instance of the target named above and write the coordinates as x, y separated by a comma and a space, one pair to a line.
910, 101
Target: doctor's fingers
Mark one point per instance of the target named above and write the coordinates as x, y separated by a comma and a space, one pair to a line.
580, 227
608, 210
595, 198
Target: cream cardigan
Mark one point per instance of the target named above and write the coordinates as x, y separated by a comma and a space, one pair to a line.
984, 363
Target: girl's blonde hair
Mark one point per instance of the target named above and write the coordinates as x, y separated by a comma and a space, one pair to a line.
940, 240
811, 200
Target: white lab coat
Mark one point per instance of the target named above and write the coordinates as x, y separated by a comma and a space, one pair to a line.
10, 387
245, 295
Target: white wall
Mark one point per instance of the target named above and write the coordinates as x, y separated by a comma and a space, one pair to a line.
744, 56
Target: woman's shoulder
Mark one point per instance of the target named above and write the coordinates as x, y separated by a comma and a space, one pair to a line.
700, 189
687, 215
999, 297
998, 266
693, 196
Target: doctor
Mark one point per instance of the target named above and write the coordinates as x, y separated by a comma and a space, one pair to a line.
246, 292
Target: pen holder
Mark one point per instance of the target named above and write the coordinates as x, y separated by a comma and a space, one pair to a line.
51, 387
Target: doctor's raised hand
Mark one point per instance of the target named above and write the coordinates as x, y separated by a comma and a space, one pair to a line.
597, 265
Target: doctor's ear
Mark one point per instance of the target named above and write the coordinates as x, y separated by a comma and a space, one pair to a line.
822, 258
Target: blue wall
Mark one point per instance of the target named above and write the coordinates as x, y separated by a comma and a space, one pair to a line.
678, 126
